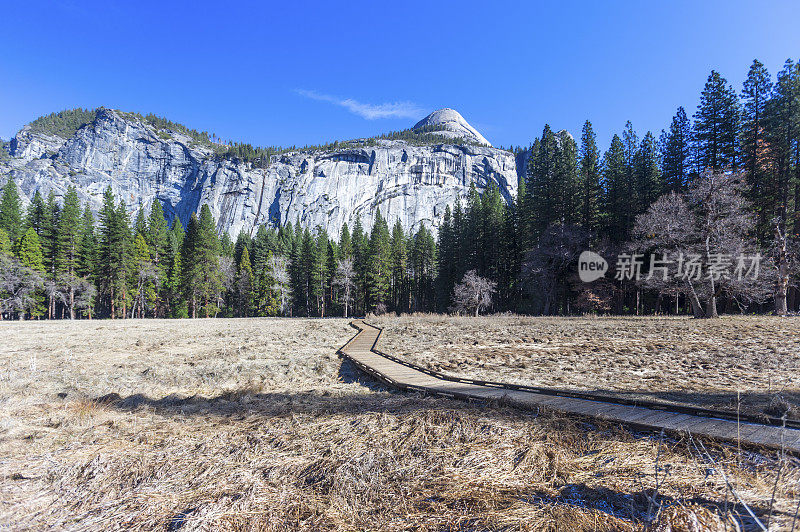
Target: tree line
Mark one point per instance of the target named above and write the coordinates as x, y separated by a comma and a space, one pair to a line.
726, 181
57, 261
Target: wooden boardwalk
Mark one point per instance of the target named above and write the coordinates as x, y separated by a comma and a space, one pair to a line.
362, 352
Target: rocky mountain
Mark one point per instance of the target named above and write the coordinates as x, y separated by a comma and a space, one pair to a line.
449, 123
411, 180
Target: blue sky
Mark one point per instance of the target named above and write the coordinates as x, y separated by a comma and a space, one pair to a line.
294, 73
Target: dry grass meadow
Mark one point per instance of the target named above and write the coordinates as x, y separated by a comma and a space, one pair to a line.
747, 363
256, 424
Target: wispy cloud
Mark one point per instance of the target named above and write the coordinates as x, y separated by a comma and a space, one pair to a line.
368, 111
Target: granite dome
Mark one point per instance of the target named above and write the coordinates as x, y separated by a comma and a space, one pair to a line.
449, 122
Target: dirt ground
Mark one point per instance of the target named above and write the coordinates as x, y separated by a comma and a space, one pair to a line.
750, 363
256, 424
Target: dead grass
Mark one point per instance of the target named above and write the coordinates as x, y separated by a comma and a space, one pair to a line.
256, 425
751, 363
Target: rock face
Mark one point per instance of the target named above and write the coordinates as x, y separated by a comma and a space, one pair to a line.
409, 183
450, 123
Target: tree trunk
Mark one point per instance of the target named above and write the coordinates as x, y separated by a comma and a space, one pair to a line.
780, 295
711, 309
697, 307
782, 284
71, 302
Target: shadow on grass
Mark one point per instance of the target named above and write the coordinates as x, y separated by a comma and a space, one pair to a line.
350, 374
637, 506
378, 398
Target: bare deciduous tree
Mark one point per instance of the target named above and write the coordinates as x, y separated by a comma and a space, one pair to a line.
345, 280
76, 292
18, 285
785, 260
55, 293
473, 294
281, 282
84, 293
147, 286
227, 270
710, 226
550, 267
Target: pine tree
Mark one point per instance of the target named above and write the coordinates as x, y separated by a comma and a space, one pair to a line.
10, 211
157, 232
304, 259
244, 285
5, 243
716, 124
541, 185
49, 236
345, 243
49, 242
567, 189
755, 94
589, 179
226, 245
113, 255
677, 153
145, 277
176, 305
460, 265
68, 243
157, 238
243, 241
262, 248
202, 280
35, 217
140, 225
360, 249
783, 120
491, 234
123, 227
630, 144
521, 218
511, 257
87, 252
615, 190
398, 257
423, 266
331, 264
471, 253
378, 265
29, 251
285, 240
647, 174
446, 260
319, 273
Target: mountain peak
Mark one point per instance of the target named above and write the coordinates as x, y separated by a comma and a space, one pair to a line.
452, 124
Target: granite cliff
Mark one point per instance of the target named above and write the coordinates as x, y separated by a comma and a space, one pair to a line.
409, 181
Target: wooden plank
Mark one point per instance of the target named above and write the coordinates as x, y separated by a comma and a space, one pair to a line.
360, 349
